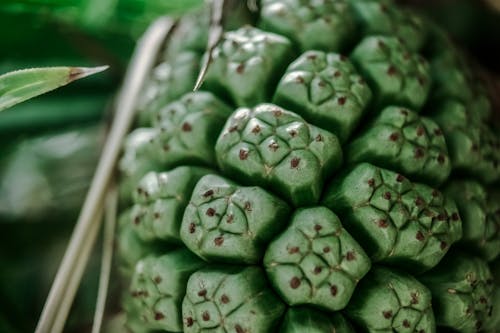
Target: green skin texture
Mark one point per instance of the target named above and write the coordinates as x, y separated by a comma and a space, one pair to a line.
462, 291
239, 295
281, 163
315, 261
398, 222
397, 76
326, 90
388, 301
480, 216
303, 319
401, 140
230, 223
160, 201
382, 17
277, 149
324, 25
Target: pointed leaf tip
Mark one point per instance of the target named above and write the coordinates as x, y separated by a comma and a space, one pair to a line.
76, 73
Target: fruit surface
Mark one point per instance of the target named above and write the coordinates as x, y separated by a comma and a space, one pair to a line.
329, 176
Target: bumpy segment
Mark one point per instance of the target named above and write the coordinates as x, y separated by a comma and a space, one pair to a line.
231, 223
158, 287
402, 141
246, 65
160, 200
315, 261
230, 300
480, 217
462, 290
304, 319
388, 301
397, 75
383, 17
326, 90
277, 149
311, 25
406, 224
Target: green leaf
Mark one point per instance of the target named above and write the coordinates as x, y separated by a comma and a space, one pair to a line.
21, 85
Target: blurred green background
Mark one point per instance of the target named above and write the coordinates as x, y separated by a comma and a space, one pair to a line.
49, 146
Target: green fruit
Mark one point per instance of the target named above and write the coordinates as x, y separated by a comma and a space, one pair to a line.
325, 178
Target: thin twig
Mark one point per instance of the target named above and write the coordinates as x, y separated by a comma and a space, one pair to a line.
214, 36
60, 293
107, 257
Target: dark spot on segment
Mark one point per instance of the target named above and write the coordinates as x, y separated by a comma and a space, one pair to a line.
208, 193
317, 227
293, 250
475, 147
137, 220
230, 218
326, 249
159, 316
382, 223
406, 323
156, 215
400, 178
441, 159
317, 270
419, 152
381, 44
420, 236
165, 147
443, 245
210, 212
343, 57
392, 70
387, 314
350, 256
243, 155
311, 56
479, 324
218, 241
295, 282
421, 80
273, 146
189, 321
414, 298
322, 83
239, 329
240, 68
420, 131
157, 279
256, 129
192, 228
202, 293
419, 201
293, 133
341, 100
394, 136
277, 113
483, 300
337, 74
435, 193
404, 112
387, 195
224, 299
438, 132
334, 290
299, 79
319, 138
232, 129
205, 316
294, 163
371, 182
186, 127
442, 216
248, 206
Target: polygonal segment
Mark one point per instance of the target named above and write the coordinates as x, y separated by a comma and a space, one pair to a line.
186, 130
390, 301
401, 223
158, 287
473, 146
160, 200
382, 17
311, 320
396, 75
169, 81
303, 275
326, 90
246, 65
312, 25
230, 223
480, 212
312, 153
462, 290
402, 141
230, 300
